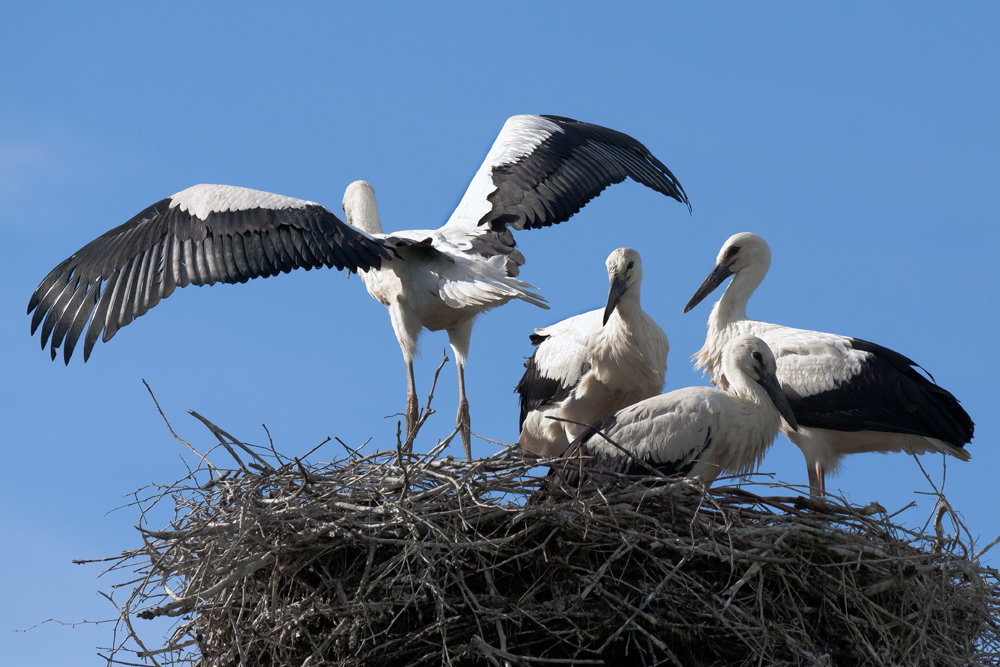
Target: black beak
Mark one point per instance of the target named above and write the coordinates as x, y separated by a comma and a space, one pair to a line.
715, 278
615, 291
770, 384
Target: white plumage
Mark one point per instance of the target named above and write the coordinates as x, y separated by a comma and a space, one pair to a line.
849, 395
442, 284
202, 201
588, 366
540, 171
697, 432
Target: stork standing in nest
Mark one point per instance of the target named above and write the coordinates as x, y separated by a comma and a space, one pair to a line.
849, 395
539, 172
588, 366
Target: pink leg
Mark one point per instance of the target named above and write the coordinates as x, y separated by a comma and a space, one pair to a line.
459, 337
463, 421
411, 399
817, 480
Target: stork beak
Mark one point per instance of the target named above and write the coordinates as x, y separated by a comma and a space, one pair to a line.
615, 291
770, 384
715, 278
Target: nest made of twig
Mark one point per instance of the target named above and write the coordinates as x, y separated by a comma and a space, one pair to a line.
397, 559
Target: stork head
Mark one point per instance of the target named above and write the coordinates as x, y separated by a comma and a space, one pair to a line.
750, 357
744, 252
360, 207
624, 273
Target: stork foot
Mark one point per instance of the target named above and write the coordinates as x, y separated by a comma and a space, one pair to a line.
464, 425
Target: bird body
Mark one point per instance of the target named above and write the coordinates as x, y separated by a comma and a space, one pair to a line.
849, 395
441, 281
540, 171
588, 366
697, 432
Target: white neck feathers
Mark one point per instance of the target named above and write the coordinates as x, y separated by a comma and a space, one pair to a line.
360, 207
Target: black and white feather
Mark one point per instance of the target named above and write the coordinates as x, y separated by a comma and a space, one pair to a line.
849, 395
697, 432
204, 235
539, 172
588, 366
543, 169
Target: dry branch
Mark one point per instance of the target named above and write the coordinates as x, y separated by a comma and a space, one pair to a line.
398, 559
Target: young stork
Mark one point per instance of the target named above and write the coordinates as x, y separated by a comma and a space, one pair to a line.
593, 364
696, 432
848, 394
539, 172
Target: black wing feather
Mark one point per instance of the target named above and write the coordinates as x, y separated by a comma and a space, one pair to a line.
890, 395
535, 388
568, 169
126, 271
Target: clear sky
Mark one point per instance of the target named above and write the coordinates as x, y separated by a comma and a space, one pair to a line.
860, 139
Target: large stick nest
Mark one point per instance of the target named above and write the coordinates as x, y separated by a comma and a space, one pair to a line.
397, 559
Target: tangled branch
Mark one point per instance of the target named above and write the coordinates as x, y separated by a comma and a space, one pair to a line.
395, 558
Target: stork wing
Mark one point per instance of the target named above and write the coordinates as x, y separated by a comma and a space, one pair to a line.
543, 169
561, 357
809, 362
884, 392
665, 434
453, 272
199, 236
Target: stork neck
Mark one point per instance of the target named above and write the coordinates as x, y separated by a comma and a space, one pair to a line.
630, 299
625, 311
362, 210
732, 307
761, 410
744, 389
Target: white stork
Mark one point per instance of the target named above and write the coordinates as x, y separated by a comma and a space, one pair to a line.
849, 395
696, 432
591, 365
539, 172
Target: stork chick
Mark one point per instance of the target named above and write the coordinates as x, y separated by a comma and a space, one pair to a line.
588, 366
849, 395
697, 432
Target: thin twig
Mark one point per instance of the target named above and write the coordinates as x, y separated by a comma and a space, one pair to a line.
171, 428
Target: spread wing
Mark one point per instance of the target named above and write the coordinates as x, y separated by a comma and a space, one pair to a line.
199, 236
541, 170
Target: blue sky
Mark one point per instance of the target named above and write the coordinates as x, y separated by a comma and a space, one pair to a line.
860, 139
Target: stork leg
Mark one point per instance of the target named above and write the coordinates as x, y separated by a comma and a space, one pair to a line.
407, 329
817, 480
463, 421
459, 338
412, 406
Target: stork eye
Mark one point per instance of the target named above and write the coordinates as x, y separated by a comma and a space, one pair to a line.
757, 356
732, 251
629, 266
